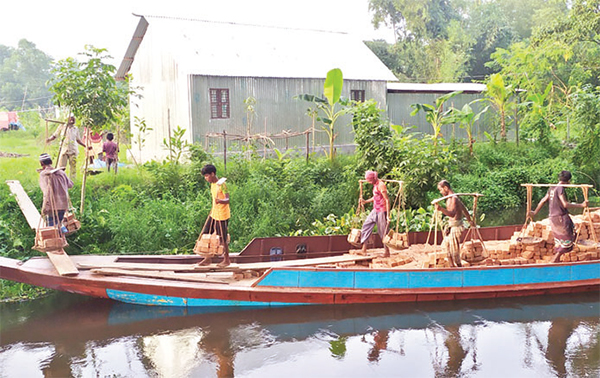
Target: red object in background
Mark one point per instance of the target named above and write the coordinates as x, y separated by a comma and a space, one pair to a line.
6, 118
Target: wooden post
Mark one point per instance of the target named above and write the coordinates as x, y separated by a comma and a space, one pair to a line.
225, 149
85, 168
265, 144
307, 145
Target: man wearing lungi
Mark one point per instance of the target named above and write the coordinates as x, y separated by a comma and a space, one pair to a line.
561, 223
455, 210
380, 215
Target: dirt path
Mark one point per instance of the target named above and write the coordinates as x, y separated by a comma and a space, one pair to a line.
11, 155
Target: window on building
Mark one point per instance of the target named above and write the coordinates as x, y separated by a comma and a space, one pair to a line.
357, 95
219, 103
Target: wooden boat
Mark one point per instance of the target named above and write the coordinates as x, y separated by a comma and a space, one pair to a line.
295, 271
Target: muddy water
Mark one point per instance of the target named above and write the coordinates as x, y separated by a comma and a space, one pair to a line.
72, 336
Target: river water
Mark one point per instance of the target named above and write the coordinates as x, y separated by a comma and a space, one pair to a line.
67, 335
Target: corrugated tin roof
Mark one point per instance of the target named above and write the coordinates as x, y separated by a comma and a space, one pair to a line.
437, 87
230, 49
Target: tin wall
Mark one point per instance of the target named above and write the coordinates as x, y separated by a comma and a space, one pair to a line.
275, 110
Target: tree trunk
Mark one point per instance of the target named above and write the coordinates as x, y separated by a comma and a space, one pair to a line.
502, 125
84, 180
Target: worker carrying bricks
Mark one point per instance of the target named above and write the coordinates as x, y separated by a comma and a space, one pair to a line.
380, 215
561, 223
455, 210
218, 220
55, 189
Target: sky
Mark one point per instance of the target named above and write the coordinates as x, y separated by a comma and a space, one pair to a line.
61, 28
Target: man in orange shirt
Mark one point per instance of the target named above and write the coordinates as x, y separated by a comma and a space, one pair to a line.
218, 219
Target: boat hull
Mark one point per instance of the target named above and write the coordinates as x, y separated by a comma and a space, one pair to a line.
300, 286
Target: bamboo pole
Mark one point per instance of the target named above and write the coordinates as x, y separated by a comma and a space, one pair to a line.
554, 185
224, 150
455, 195
85, 168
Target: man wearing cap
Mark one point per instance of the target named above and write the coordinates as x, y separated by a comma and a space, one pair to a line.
55, 187
380, 215
69, 149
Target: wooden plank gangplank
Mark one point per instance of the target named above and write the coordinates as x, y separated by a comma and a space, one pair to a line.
31, 213
229, 268
62, 263
167, 275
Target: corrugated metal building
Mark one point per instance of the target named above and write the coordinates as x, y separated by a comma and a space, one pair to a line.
196, 74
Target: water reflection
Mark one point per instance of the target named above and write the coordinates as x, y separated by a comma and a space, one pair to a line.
68, 335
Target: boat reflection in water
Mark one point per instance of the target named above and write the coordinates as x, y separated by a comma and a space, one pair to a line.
545, 336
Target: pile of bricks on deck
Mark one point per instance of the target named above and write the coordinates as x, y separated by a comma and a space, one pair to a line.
396, 259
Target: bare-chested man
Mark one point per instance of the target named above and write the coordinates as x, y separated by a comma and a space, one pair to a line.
455, 210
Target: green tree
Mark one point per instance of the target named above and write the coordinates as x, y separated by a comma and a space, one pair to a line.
373, 136
23, 75
587, 122
88, 89
499, 95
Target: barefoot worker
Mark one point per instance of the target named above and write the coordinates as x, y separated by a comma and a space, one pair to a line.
454, 210
380, 215
219, 215
560, 221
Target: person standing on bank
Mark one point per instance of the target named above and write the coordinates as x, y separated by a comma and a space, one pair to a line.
561, 223
455, 210
111, 150
380, 215
55, 185
218, 219
69, 149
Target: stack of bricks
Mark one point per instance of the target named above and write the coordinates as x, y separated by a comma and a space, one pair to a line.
354, 236
437, 260
587, 231
49, 239
396, 240
208, 244
390, 262
472, 252
582, 251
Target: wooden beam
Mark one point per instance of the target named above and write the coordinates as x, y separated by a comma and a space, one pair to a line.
62, 263
30, 211
229, 268
165, 275
455, 195
565, 185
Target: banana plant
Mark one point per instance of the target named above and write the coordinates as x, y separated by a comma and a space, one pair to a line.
332, 90
435, 114
466, 118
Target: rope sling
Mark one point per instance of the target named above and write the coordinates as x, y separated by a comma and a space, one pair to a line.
395, 239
